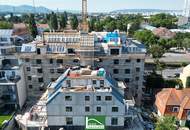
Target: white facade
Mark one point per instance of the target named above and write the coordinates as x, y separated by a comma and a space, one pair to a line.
186, 11
184, 75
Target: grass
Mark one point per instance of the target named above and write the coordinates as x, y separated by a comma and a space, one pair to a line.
3, 118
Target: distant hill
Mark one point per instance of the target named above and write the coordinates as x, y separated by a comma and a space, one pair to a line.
125, 11
23, 9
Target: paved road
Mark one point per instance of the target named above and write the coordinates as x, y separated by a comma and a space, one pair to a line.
172, 58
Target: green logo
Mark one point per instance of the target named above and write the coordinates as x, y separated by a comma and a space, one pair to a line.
95, 123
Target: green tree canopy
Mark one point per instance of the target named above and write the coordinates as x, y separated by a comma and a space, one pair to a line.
5, 25
163, 20
146, 37
53, 21
63, 21
32, 26
186, 43
74, 22
157, 51
166, 123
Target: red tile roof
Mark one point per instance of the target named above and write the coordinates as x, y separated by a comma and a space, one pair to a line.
173, 97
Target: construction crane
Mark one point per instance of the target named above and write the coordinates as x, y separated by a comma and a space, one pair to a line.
84, 16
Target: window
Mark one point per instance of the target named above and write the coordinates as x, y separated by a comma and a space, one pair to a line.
114, 109
68, 82
127, 71
114, 51
40, 70
38, 51
71, 51
116, 79
40, 80
60, 61
127, 61
52, 71
87, 109
102, 83
137, 69
27, 60
75, 61
2, 74
114, 121
137, 78
69, 109
108, 98
60, 71
98, 109
27, 68
116, 62
116, 71
68, 98
29, 78
87, 98
69, 120
98, 98
30, 86
175, 109
53, 79
51, 61
127, 80
94, 82
38, 61
138, 60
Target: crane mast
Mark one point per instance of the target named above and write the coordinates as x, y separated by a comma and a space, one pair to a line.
84, 16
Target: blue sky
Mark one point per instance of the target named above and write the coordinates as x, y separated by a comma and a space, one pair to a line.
102, 5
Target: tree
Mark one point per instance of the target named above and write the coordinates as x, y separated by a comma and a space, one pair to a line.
163, 20
74, 22
98, 26
146, 37
154, 81
25, 18
186, 43
65, 16
63, 22
134, 26
92, 24
156, 51
166, 123
5, 25
53, 21
110, 26
32, 26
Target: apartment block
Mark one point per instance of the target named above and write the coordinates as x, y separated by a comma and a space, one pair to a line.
78, 97
48, 57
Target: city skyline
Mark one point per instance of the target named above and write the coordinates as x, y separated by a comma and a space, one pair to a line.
100, 5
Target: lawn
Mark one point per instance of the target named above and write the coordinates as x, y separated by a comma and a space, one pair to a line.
3, 118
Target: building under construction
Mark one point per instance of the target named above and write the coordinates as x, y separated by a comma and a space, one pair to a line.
48, 57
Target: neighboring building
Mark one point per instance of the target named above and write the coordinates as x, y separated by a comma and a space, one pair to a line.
176, 103
164, 33
12, 81
81, 98
186, 11
21, 33
42, 28
12, 87
184, 20
46, 59
185, 77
